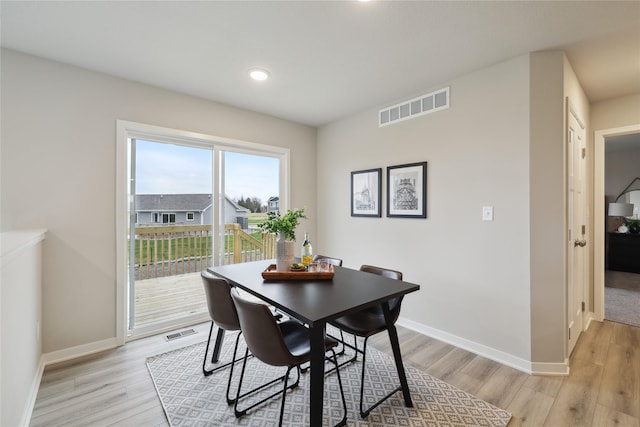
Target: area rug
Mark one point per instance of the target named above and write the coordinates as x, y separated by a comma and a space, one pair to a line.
191, 399
622, 306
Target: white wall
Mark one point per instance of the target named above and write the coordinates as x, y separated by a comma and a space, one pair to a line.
615, 113
474, 275
621, 167
21, 296
58, 173
497, 288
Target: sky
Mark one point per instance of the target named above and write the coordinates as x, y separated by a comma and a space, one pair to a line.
175, 169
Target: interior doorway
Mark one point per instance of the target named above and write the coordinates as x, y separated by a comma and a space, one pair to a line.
601, 219
622, 229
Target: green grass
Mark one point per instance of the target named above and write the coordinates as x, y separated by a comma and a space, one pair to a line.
256, 218
197, 246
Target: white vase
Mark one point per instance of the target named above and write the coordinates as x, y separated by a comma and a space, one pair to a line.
284, 253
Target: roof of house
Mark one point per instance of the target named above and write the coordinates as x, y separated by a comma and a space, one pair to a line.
178, 202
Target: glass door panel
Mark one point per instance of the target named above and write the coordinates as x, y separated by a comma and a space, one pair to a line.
251, 184
171, 232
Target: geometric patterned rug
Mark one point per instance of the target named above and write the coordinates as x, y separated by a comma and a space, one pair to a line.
191, 399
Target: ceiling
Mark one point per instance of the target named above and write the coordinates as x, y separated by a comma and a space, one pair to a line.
330, 59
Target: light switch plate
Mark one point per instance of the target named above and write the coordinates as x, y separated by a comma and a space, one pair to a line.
487, 213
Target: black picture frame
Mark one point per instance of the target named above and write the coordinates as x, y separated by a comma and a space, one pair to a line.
407, 190
366, 193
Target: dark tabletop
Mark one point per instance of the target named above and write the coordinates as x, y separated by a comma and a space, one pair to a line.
315, 300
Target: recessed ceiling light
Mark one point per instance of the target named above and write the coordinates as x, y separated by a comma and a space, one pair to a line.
259, 74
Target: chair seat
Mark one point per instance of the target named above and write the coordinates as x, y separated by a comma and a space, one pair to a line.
363, 323
297, 339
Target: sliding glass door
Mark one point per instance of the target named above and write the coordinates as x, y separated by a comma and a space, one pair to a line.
190, 204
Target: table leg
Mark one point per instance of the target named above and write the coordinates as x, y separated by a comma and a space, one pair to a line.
218, 346
317, 373
395, 346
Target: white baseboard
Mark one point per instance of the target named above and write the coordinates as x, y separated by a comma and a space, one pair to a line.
551, 369
79, 351
33, 394
507, 359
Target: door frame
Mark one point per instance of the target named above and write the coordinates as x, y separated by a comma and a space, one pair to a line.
127, 129
598, 213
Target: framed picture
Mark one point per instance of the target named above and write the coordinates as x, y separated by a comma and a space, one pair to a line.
407, 190
366, 192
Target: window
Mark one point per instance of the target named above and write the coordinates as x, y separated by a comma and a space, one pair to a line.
168, 218
190, 216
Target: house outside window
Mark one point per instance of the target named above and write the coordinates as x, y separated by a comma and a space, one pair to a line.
155, 217
190, 216
168, 218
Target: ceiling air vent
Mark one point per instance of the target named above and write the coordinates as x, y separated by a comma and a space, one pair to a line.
424, 104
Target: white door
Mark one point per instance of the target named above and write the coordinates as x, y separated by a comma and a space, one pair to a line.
576, 250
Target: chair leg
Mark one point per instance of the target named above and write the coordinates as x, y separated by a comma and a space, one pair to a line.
342, 422
216, 352
230, 401
284, 395
206, 371
240, 412
365, 413
354, 347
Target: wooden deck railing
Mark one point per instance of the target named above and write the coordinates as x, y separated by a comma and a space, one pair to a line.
179, 249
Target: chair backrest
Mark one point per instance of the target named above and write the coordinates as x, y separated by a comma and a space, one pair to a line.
394, 304
221, 307
331, 260
261, 332
391, 274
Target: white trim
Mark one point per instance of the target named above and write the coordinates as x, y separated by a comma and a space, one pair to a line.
79, 351
598, 214
169, 325
550, 369
14, 242
488, 352
30, 402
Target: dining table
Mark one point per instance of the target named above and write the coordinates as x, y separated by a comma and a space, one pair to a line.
315, 302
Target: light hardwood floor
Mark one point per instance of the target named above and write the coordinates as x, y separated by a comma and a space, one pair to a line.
114, 388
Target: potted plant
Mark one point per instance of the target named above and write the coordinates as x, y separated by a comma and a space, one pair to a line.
285, 227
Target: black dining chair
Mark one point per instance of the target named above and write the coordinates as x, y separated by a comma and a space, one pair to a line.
277, 344
366, 323
223, 314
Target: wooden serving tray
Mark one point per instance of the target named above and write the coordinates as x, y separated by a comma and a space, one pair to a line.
271, 274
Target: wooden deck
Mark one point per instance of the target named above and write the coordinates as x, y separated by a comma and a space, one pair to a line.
167, 298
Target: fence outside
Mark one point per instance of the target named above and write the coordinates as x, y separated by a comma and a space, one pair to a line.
180, 249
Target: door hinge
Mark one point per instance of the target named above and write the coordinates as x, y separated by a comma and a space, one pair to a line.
583, 306
584, 153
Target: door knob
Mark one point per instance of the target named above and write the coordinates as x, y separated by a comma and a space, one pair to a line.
581, 243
